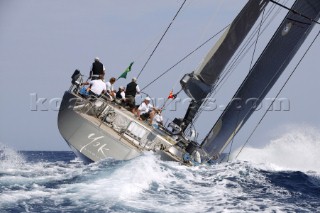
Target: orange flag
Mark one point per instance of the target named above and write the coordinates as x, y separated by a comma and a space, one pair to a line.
171, 95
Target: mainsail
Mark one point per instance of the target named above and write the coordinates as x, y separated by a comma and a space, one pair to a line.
200, 83
274, 59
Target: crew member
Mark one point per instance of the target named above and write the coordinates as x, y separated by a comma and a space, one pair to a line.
110, 92
121, 95
145, 110
131, 91
97, 69
157, 119
97, 87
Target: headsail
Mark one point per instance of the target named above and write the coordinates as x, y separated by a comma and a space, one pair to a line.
199, 84
281, 49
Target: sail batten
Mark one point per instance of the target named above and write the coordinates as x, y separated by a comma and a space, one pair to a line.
272, 62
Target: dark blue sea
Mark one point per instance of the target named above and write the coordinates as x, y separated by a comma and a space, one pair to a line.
277, 178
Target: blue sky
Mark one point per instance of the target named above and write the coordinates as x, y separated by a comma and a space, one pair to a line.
42, 42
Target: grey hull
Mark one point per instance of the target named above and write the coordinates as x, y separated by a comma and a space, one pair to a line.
87, 139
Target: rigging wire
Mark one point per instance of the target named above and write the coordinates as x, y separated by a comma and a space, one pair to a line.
254, 50
294, 11
231, 67
165, 72
165, 105
215, 13
146, 49
241, 55
255, 45
238, 58
237, 123
161, 38
248, 41
285, 83
244, 50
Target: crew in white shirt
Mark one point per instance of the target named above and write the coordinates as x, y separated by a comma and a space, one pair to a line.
157, 119
145, 110
97, 87
110, 92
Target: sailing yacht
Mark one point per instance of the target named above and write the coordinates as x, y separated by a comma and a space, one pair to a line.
99, 129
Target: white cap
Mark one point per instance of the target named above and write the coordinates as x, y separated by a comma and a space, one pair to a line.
121, 87
96, 59
134, 79
147, 99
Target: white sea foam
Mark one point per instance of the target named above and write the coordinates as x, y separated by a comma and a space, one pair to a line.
123, 184
297, 149
142, 184
9, 158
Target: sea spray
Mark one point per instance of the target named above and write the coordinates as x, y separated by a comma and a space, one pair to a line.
55, 182
9, 158
297, 149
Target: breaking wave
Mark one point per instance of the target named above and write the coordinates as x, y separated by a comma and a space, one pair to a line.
297, 150
9, 158
268, 179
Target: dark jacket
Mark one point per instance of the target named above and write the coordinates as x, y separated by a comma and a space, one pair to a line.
131, 89
118, 95
97, 68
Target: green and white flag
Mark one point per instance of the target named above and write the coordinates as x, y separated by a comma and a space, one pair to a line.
124, 74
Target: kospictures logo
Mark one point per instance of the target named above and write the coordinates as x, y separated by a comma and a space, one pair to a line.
209, 104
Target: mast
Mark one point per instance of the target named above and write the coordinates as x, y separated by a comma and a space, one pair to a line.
272, 62
200, 83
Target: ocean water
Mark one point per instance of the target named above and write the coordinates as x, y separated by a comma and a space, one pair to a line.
284, 176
